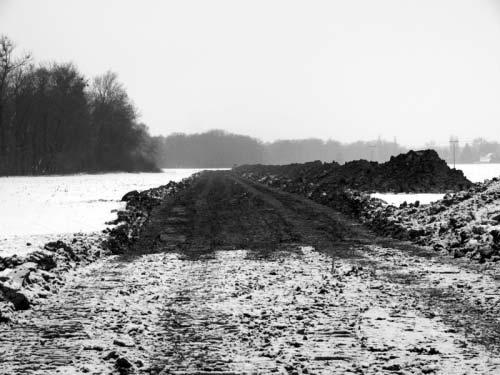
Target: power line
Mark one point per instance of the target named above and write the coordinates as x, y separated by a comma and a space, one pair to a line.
454, 144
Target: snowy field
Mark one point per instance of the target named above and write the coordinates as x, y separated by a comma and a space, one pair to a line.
474, 172
66, 204
479, 172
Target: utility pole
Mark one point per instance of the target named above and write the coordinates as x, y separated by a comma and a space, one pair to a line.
372, 150
453, 146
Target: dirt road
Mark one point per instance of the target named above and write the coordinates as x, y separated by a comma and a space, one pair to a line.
224, 280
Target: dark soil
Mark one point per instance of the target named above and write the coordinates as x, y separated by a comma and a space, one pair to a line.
221, 211
415, 171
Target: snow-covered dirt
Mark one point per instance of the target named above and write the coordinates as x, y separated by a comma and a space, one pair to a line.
181, 303
292, 312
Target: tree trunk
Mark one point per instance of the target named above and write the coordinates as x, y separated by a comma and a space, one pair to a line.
3, 135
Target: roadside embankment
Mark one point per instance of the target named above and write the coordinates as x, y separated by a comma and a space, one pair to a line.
466, 222
139, 206
25, 280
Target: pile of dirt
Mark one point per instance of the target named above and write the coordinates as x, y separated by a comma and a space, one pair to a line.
465, 223
415, 171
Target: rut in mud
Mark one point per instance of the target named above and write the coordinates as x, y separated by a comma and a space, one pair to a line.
223, 280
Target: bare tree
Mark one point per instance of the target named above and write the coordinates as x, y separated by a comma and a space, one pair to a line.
106, 89
9, 64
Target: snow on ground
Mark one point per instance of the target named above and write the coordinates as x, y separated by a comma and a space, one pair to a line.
34, 209
479, 172
245, 312
22, 245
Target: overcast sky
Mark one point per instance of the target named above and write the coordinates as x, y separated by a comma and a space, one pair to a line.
354, 69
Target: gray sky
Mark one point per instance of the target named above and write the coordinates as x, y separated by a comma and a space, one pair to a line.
352, 69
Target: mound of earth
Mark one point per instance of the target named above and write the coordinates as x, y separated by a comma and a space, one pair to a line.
415, 171
466, 223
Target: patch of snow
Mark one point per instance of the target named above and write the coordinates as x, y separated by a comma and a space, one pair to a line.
397, 199
479, 172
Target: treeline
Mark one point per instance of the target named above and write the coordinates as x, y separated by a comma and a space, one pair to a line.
55, 120
302, 150
213, 149
217, 148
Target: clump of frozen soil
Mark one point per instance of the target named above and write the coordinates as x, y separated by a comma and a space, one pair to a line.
466, 223
25, 280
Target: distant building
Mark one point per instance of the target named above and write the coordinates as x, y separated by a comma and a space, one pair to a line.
486, 158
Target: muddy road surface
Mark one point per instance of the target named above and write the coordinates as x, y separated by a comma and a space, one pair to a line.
231, 277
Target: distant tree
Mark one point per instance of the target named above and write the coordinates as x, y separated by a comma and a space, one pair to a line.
217, 148
467, 155
213, 149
